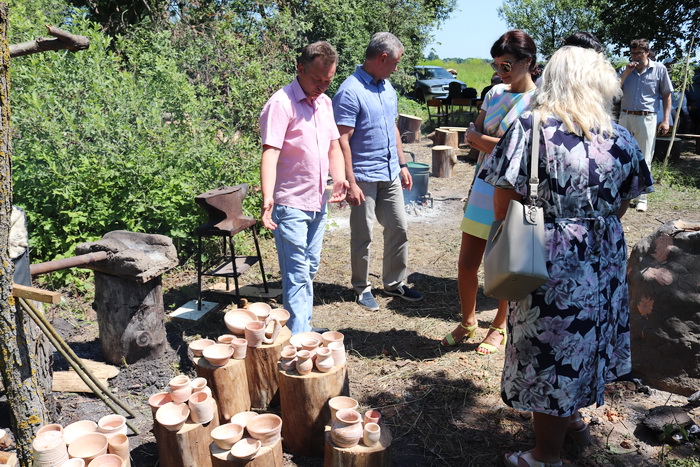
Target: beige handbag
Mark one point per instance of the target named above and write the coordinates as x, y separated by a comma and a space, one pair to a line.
514, 260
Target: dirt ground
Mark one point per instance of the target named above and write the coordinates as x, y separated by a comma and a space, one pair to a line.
443, 407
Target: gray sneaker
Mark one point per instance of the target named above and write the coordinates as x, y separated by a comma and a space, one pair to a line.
367, 300
408, 294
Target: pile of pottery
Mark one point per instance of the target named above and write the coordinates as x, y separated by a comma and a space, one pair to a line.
261, 430
83, 443
348, 427
310, 350
185, 399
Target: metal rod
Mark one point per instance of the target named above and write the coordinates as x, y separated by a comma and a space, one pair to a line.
65, 263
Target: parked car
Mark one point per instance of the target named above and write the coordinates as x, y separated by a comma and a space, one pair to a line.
433, 82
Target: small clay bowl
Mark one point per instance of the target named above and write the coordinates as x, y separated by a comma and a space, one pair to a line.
78, 429
281, 314
296, 339
197, 345
173, 416
226, 338
50, 427
88, 446
261, 310
236, 320
112, 424
246, 448
74, 462
226, 435
241, 418
332, 336
198, 384
218, 354
341, 402
158, 400
266, 428
107, 460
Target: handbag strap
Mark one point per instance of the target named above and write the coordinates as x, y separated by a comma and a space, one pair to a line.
534, 180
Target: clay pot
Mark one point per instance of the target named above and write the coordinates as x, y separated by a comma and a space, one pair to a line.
339, 403
78, 429
88, 446
255, 333
226, 435
49, 448
158, 400
197, 345
304, 363
296, 339
266, 427
180, 388
218, 354
110, 425
281, 314
119, 445
338, 349
240, 348
311, 345
75, 462
324, 359
200, 385
242, 418
346, 430
173, 416
371, 434
372, 416
225, 338
288, 358
50, 427
261, 309
236, 320
107, 460
201, 407
246, 448
332, 336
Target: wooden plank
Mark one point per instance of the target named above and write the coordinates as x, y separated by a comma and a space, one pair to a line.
69, 381
33, 293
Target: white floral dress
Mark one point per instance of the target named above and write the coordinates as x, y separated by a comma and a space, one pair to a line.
571, 336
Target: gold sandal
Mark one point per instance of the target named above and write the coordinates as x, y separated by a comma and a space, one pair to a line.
486, 349
449, 340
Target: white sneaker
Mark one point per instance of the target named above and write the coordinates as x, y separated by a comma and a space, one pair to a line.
642, 205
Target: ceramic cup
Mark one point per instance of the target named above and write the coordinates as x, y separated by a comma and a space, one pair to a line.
240, 348
371, 434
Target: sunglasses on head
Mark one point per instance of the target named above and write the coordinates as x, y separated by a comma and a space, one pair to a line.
503, 67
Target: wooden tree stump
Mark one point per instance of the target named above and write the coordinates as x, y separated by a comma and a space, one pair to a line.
305, 412
443, 160
446, 137
261, 370
409, 128
268, 456
359, 455
229, 386
186, 447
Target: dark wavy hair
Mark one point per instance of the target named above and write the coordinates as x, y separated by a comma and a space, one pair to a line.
517, 43
586, 40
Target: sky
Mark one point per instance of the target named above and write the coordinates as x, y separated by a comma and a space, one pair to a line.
470, 32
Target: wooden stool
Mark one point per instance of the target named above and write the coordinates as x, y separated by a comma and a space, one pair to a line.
267, 456
304, 402
229, 386
186, 447
359, 455
261, 370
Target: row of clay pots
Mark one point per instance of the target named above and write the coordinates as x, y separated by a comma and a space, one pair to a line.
236, 320
86, 448
263, 430
347, 429
238, 345
306, 352
170, 410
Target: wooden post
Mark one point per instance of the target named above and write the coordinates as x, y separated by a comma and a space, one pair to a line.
229, 386
261, 371
360, 455
409, 128
445, 137
267, 456
186, 447
304, 403
443, 160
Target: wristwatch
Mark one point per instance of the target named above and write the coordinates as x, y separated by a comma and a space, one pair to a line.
403, 165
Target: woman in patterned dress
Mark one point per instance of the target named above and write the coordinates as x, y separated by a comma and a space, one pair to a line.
571, 335
514, 56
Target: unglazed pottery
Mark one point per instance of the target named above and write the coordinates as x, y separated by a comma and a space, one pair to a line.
50, 427
180, 388
119, 445
338, 349
236, 320
281, 314
197, 345
372, 416
261, 309
158, 400
49, 448
75, 462
266, 427
173, 416
324, 359
240, 348
199, 384
304, 363
296, 339
107, 460
201, 407
371, 434
346, 430
112, 424
241, 418
218, 354
226, 435
288, 358
77, 429
255, 333
88, 446
341, 402
311, 345
246, 448
332, 336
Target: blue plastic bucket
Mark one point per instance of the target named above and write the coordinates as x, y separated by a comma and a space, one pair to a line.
420, 174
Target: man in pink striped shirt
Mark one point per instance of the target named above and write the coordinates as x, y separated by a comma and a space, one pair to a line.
300, 145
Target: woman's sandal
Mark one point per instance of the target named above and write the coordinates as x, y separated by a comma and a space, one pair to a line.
485, 348
513, 460
578, 430
449, 340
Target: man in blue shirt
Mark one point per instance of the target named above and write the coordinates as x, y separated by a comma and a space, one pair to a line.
644, 81
365, 109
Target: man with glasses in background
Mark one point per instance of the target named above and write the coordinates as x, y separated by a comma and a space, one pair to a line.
643, 81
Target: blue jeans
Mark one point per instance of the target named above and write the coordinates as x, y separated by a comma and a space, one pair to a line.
298, 236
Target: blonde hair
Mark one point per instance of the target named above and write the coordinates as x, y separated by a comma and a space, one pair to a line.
578, 87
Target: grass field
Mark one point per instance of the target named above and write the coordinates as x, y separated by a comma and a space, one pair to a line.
475, 72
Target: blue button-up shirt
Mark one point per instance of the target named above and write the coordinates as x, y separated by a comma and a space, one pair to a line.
640, 90
371, 108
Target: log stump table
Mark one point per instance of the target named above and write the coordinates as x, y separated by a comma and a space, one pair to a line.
304, 403
359, 455
443, 160
187, 447
267, 456
261, 371
229, 386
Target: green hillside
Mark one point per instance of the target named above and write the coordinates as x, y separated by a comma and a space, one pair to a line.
476, 72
